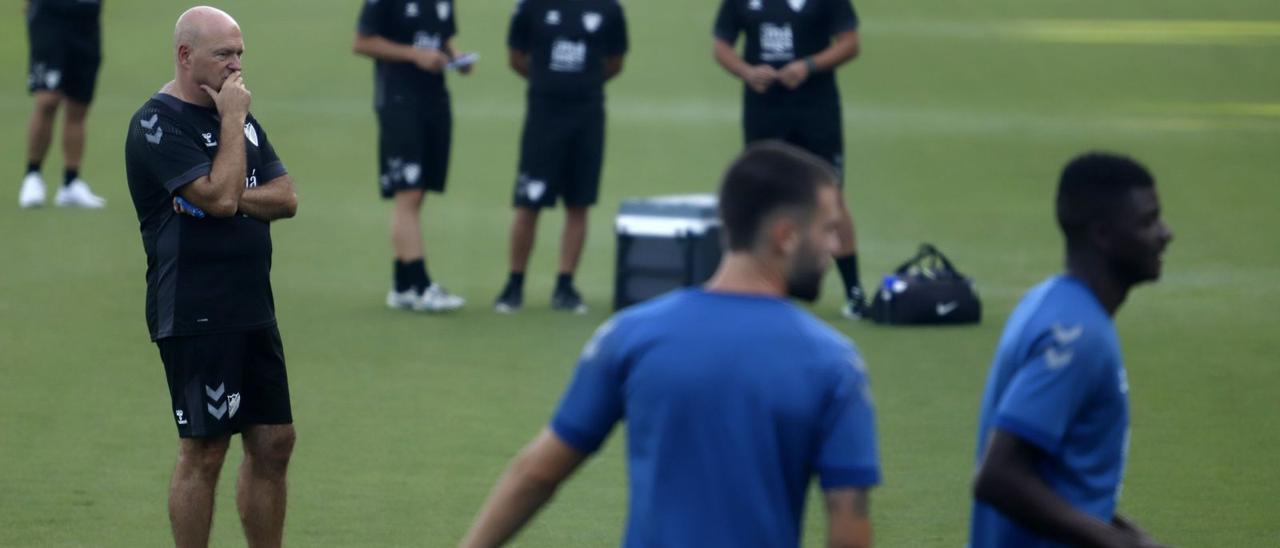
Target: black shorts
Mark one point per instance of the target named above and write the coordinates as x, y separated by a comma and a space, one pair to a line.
413, 147
818, 129
561, 153
222, 382
65, 55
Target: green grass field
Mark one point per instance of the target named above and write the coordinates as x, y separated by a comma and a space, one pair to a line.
958, 116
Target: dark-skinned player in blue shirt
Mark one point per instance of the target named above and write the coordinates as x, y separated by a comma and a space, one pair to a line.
1054, 428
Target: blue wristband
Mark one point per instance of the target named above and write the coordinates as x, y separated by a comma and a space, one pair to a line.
190, 208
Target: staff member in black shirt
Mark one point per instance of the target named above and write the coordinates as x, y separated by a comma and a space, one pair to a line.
567, 50
787, 66
206, 184
411, 43
66, 51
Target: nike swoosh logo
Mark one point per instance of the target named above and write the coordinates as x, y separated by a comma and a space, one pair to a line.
946, 308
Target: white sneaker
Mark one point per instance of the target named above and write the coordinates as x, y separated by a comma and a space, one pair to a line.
77, 194
437, 299
32, 193
403, 300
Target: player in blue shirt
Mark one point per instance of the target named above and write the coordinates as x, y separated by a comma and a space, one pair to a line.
733, 397
1054, 428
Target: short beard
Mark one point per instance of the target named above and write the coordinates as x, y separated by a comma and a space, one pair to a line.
805, 283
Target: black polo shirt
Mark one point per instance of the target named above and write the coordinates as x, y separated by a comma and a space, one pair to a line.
203, 275
567, 42
780, 31
425, 24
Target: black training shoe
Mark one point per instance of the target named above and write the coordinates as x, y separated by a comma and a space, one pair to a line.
568, 299
856, 307
510, 301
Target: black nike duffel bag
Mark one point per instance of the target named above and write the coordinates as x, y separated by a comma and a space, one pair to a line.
927, 289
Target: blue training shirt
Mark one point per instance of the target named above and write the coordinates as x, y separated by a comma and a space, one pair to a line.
732, 403
1058, 383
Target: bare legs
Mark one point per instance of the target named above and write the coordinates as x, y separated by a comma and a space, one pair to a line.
406, 225
572, 239
260, 489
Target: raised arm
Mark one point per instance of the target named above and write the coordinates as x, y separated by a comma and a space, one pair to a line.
848, 519
277, 199
527, 485
218, 193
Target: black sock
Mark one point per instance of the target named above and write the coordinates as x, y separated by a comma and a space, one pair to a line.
848, 266
399, 279
71, 174
564, 280
515, 280
416, 271
32, 167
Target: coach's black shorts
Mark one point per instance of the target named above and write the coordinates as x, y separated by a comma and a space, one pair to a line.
413, 147
220, 383
561, 153
815, 128
65, 55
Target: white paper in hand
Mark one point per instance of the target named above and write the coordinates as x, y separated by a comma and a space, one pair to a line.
464, 60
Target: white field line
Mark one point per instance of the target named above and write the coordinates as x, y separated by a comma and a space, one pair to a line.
1091, 31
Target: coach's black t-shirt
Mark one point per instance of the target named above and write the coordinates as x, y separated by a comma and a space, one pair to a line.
426, 24
781, 31
567, 43
203, 275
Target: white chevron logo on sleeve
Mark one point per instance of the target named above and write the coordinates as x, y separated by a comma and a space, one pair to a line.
1057, 359
215, 395
150, 123
1067, 335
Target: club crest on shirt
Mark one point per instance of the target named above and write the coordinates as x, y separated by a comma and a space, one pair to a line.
411, 9
591, 21
755, 5
250, 133
442, 9
553, 17
796, 5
